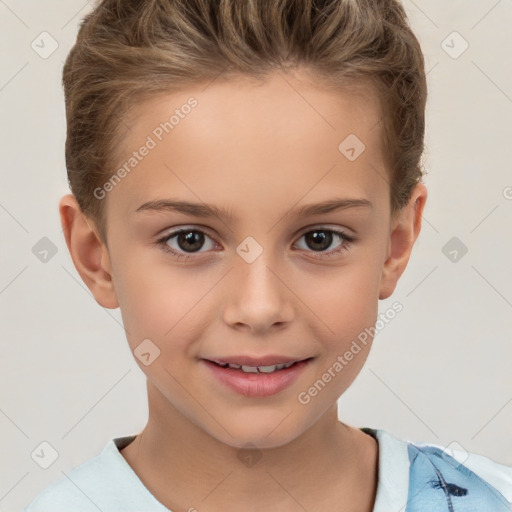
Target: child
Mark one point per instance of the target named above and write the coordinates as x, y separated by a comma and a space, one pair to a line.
258, 131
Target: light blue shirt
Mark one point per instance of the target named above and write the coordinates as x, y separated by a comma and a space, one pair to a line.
412, 477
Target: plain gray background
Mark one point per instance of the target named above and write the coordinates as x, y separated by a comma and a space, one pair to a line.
439, 372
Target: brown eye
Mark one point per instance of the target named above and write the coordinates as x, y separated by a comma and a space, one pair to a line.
190, 240
319, 240
183, 243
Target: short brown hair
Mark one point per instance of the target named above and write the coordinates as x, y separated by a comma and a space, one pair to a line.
131, 49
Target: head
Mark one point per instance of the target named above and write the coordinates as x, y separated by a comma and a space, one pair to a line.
259, 110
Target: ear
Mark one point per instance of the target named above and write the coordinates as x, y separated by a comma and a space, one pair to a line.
89, 254
405, 228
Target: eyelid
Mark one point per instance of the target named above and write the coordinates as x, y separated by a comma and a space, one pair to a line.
170, 232
327, 227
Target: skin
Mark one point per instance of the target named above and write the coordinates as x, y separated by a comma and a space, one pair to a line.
261, 151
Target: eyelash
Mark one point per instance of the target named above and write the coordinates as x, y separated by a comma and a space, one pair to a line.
345, 246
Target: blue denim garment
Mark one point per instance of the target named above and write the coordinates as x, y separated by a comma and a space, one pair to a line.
438, 483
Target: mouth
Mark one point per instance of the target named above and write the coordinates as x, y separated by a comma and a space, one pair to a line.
254, 367
256, 381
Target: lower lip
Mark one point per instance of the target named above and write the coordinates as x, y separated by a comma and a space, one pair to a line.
257, 384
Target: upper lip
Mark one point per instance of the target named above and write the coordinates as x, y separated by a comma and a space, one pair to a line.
268, 360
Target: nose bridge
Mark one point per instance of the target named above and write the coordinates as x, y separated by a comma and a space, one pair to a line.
256, 277
258, 296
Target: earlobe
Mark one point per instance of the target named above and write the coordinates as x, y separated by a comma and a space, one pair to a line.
406, 227
89, 254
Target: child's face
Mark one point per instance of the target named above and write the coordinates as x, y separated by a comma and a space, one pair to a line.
259, 152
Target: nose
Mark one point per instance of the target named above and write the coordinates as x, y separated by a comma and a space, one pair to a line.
257, 297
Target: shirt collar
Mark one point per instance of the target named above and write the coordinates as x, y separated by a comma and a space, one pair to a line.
393, 477
392, 483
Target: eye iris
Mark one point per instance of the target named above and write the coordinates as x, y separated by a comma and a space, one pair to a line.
324, 238
192, 238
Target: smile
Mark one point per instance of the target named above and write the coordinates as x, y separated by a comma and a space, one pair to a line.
257, 369
256, 381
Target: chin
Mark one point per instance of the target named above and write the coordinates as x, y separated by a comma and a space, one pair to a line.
257, 433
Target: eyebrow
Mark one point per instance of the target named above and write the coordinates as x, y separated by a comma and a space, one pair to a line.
210, 210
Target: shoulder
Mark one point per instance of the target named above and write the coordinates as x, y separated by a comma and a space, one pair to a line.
69, 492
425, 477
97, 484
72, 491
59, 497
457, 479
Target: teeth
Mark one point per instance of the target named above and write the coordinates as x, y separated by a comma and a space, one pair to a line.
249, 369
259, 369
270, 369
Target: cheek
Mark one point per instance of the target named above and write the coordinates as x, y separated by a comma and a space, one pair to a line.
346, 309
157, 300
343, 299
144, 298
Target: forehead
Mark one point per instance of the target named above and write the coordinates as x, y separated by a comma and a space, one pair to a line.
253, 143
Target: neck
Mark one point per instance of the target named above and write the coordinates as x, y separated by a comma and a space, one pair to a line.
185, 467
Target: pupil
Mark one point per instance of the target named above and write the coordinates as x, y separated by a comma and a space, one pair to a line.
193, 238
319, 237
